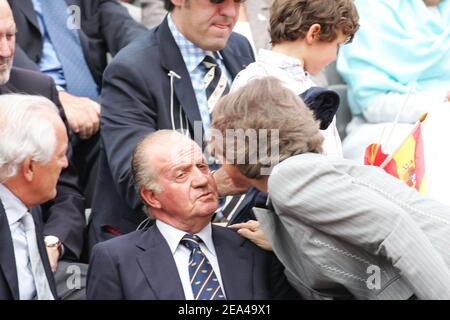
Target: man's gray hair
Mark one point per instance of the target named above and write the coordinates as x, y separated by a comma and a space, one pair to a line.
25, 131
145, 175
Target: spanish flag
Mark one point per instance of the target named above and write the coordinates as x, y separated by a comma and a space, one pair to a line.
407, 162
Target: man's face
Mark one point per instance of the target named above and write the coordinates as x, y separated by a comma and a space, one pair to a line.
7, 41
189, 193
322, 53
206, 24
46, 175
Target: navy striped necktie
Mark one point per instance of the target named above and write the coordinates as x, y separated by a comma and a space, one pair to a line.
205, 285
216, 83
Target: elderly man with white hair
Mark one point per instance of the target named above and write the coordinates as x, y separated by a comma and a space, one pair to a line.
33, 146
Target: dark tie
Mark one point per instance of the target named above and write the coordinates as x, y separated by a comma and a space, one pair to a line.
67, 44
216, 83
205, 285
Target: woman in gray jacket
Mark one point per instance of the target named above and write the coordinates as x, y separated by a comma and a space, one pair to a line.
342, 230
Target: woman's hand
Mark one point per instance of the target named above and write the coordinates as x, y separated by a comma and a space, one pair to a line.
253, 232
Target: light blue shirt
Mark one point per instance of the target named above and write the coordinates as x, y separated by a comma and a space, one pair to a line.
49, 63
15, 210
193, 57
399, 43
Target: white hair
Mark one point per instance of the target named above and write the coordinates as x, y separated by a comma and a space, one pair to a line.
25, 131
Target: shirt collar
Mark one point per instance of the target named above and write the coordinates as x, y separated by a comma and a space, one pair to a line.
289, 64
14, 207
191, 53
173, 236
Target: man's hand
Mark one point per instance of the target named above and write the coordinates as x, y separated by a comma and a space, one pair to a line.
82, 113
53, 257
226, 186
253, 232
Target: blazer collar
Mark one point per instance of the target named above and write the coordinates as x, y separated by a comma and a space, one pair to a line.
158, 265
172, 60
235, 263
7, 258
7, 88
26, 6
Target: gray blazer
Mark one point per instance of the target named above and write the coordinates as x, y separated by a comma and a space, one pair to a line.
334, 223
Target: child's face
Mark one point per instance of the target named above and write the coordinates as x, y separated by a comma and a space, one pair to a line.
322, 53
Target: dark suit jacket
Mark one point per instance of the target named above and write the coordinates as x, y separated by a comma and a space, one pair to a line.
106, 26
9, 284
140, 265
135, 102
64, 215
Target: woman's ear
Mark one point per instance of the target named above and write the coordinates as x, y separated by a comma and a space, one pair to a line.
150, 199
27, 168
313, 33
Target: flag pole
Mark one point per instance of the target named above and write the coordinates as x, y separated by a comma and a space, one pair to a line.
389, 158
412, 88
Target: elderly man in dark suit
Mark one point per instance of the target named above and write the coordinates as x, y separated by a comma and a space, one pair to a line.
69, 41
28, 178
169, 79
182, 256
63, 216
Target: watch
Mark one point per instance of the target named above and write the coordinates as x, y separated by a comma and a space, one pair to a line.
52, 241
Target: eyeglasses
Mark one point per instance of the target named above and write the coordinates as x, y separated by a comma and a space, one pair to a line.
221, 1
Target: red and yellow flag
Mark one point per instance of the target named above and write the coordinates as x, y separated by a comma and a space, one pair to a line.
407, 163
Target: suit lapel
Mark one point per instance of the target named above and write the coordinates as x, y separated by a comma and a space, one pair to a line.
37, 217
158, 265
7, 258
8, 87
235, 263
26, 6
233, 62
172, 60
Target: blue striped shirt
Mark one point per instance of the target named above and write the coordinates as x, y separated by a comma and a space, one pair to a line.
193, 57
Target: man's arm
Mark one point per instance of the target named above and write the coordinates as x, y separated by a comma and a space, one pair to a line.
103, 280
129, 113
64, 216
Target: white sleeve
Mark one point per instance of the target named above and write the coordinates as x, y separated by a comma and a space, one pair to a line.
386, 107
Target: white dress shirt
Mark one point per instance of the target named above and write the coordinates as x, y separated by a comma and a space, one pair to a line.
181, 254
15, 210
294, 77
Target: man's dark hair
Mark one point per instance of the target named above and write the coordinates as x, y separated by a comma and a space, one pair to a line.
168, 5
